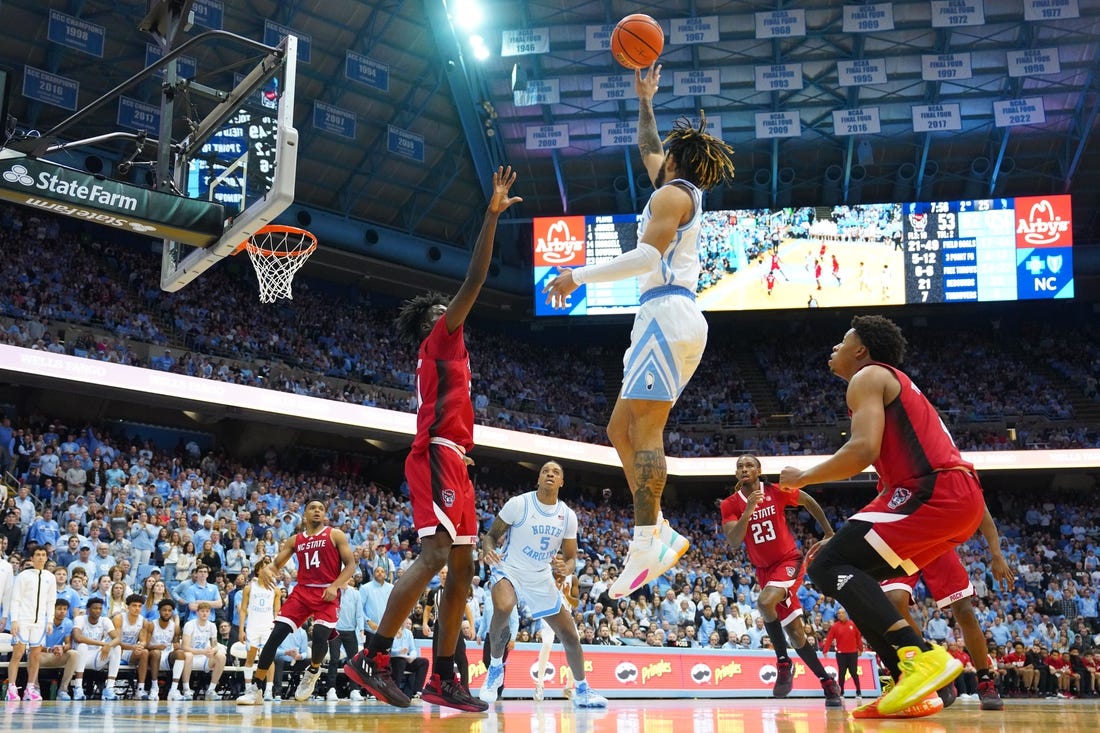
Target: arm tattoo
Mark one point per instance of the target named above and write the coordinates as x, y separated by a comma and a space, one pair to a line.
649, 140
650, 475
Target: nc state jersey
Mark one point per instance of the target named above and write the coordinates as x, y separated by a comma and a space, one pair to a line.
318, 559
768, 540
915, 442
444, 409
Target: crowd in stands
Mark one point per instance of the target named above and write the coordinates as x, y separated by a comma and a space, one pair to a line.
118, 514
111, 308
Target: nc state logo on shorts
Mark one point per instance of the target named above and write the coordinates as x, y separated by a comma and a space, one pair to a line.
448, 497
790, 572
900, 497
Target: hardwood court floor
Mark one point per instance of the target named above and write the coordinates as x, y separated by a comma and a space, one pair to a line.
524, 716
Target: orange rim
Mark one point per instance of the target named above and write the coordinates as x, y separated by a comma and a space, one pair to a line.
278, 229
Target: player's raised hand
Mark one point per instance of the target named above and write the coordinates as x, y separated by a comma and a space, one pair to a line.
560, 287
755, 497
502, 183
646, 86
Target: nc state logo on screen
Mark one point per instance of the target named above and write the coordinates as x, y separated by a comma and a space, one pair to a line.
559, 246
1043, 221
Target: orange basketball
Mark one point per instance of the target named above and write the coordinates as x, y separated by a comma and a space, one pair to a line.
637, 41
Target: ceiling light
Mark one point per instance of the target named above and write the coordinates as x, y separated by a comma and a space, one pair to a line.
467, 14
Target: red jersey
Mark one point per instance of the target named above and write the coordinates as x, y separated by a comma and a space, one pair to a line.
444, 409
1056, 663
770, 280
1013, 659
915, 442
961, 655
846, 635
318, 559
768, 540
775, 262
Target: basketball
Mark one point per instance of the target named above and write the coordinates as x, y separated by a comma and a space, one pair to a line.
637, 41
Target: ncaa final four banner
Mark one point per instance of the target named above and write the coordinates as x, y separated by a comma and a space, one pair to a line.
865, 255
642, 671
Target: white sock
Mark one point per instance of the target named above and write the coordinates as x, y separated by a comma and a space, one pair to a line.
496, 661
248, 675
645, 532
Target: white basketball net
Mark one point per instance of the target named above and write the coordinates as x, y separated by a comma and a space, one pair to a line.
277, 254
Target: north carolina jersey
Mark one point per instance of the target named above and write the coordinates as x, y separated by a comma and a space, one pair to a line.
318, 558
680, 262
261, 606
535, 533
163, 636
915, 442
768, 540
444, 410
99, 631
203, 636
131, 632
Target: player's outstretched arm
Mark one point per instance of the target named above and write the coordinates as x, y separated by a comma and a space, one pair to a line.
464, 299
649, 140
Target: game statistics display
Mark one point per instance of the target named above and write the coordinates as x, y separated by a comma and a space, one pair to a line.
1000, 249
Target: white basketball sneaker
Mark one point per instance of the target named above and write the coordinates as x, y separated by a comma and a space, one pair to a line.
646, 560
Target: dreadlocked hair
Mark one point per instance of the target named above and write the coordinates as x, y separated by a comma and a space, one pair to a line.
700, 157
882, 337
413, 310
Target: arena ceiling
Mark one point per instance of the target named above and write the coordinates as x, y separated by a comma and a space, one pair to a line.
473, 115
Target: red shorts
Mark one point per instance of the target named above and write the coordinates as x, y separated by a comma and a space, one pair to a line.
918, 522
945, 578
787, 574
441, 493
305, 601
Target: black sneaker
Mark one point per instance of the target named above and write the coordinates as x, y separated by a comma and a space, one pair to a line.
987, 693
784, 680
452, 694
947, 694
372, 673
833, 697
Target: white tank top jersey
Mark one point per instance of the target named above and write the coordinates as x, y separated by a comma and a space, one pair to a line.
261, 605
99, 631
131, 632
680, 263
535, 534
163, 636
202, 635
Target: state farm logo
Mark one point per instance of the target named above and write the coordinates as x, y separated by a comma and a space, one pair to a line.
559, 241
1043, 221
18, 174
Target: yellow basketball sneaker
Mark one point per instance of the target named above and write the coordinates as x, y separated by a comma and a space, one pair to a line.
921, 673
929, 705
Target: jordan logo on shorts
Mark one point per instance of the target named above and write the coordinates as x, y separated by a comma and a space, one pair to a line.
899, 498
448, 497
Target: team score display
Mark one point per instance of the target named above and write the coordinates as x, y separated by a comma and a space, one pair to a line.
763, 531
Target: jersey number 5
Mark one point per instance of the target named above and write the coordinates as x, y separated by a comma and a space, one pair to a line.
763, 532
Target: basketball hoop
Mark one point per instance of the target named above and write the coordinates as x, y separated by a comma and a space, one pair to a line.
277, 252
